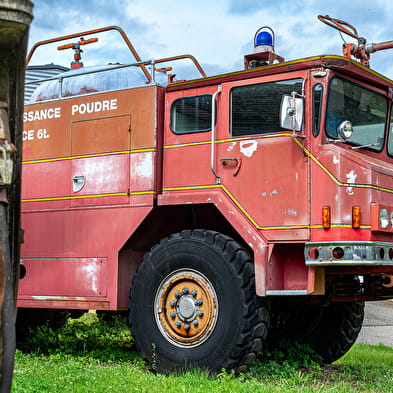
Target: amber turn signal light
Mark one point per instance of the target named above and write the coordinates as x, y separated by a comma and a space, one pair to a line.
325, 217
356, 215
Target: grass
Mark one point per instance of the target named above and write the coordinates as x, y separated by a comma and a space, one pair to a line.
96, 354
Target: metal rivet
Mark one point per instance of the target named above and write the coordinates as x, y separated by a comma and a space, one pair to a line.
194, 293
185, 290
172, 315
195, 322
177, 294
187, 326
178, 324
172, 303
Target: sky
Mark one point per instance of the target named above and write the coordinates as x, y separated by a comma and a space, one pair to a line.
217, 32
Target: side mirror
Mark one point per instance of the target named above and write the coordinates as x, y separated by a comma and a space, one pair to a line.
291, 112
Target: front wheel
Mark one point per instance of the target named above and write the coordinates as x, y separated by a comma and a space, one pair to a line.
193, 304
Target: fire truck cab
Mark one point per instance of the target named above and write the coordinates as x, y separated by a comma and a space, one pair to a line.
220, 211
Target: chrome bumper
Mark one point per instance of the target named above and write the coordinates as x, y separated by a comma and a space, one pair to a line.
348, 254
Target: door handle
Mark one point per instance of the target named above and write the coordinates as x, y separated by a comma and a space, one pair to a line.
232, 162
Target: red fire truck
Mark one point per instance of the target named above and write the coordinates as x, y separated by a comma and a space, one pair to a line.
221, 211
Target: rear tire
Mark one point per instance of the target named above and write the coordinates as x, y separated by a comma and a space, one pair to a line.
330, 330
193, 304
337, 330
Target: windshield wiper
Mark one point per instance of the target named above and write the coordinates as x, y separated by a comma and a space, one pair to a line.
353, 147
368, 145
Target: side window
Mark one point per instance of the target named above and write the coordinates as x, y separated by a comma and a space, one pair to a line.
191, 114
317, 94
255, 109
390, 140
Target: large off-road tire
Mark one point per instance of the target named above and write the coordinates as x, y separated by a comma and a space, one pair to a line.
193, 304
337, 330
330, 330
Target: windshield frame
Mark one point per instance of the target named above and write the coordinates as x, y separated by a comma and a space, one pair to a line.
389, 143
332, 133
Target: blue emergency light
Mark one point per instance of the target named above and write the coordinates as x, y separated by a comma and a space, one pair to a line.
264, 54
264, 40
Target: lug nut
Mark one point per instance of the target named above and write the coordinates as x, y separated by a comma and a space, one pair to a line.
172, 303
187, 326
172, 315
200, 314
199, 302
177, 294
178, 324
185, 290
194, 293
195, 322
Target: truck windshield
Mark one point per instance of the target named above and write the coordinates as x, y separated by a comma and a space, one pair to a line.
364, 108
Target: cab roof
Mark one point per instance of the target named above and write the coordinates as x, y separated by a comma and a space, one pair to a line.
333, 62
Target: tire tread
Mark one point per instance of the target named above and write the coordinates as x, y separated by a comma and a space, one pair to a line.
255, 318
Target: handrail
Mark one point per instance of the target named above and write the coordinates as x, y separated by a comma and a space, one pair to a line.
186, 56
212, 147
95, 31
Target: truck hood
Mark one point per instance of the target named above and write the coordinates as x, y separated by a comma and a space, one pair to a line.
355, 169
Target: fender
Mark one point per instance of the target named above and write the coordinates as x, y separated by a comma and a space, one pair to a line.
240, 223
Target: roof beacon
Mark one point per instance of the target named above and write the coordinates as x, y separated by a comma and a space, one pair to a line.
263, 50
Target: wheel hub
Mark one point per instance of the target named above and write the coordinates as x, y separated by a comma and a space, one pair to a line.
186, 308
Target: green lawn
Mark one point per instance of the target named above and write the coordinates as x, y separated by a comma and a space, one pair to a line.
95, 355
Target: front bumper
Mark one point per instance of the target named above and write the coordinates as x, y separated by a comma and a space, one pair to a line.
349, 254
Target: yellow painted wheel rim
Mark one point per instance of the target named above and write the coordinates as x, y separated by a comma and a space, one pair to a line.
186, 308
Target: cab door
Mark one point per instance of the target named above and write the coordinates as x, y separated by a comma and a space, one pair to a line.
260, 165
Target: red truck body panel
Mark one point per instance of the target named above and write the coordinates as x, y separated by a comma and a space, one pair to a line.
82, 245
72, 238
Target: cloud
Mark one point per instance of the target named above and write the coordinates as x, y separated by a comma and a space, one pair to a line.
244, 7
55, 15
53, 18
219, 33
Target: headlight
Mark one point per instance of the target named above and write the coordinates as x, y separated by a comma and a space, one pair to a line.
345, 129
383, 218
